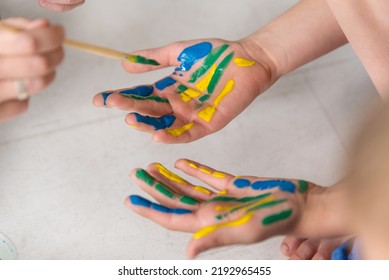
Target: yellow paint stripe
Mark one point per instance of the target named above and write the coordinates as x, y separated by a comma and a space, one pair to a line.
218, 174
211, 229
244, 206
177, 132
201, 190
223, 192
170, 175
208, 112
241, 62
204, 83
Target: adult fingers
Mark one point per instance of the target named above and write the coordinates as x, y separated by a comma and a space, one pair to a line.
8, 89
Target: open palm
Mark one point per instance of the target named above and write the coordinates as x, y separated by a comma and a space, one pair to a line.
235, 210
213, 81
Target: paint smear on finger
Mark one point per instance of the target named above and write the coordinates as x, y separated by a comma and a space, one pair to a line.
140, 201
177, 132
157, 123
169, 175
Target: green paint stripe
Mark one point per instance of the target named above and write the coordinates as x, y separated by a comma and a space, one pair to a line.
221, 198
219, 217
142, 175
208, 62
252, 198
303, 186
188, 200
277, 217
181, 88
267, 204
219, 72
204, 98
152, 98
166, 191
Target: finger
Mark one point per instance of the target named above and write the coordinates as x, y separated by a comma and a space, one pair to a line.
239, 231
30, 66
306, 250
171, 218
37, 40
178, 183
163, 193
215, 178
8, 90
137, 99
181, 132
166, 56
290, 244
11, 109
149, 124
59, 7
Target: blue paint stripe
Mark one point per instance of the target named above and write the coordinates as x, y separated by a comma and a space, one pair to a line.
164, 83
192, 54
140, 201
283, 185
242, 183
158, 123
139, 91
105, 96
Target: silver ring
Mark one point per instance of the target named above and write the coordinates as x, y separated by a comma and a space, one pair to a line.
21, 90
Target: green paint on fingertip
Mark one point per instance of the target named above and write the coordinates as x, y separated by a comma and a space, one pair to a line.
142, 60
189, 200
151, 98
303, 186
142, 175
277, 217
166, 191
267, 204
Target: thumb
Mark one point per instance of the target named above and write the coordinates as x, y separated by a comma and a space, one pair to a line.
166, 56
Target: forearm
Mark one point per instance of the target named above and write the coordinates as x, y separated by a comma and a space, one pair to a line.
305, 32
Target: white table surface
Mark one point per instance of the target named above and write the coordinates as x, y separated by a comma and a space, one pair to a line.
64, 165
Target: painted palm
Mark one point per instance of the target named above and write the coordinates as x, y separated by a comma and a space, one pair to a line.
238, 210
213, 81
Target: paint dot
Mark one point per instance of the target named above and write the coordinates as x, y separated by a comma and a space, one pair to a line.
242, 183
164, 83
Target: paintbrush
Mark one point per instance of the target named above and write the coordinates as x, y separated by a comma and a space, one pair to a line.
96, 50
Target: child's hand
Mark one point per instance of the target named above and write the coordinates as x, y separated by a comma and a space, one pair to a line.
61, 5
239, 210
214, 81
28, 61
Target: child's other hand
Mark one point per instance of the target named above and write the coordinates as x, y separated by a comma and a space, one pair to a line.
61, 5
235, 210
28, 60
213, 82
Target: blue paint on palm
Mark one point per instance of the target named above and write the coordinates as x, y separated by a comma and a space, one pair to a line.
242, 183
139, 91
105, 96
164, 83
158, 123
286, 186
140, 201
192, 54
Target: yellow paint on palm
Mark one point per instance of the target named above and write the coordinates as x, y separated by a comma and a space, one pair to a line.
189, 94
244, 206
169, 175
223, 192
177, 132
211, 229
241, 62
208, 112
202, 190
204, 83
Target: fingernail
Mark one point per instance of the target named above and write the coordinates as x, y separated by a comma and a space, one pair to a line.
284, 249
